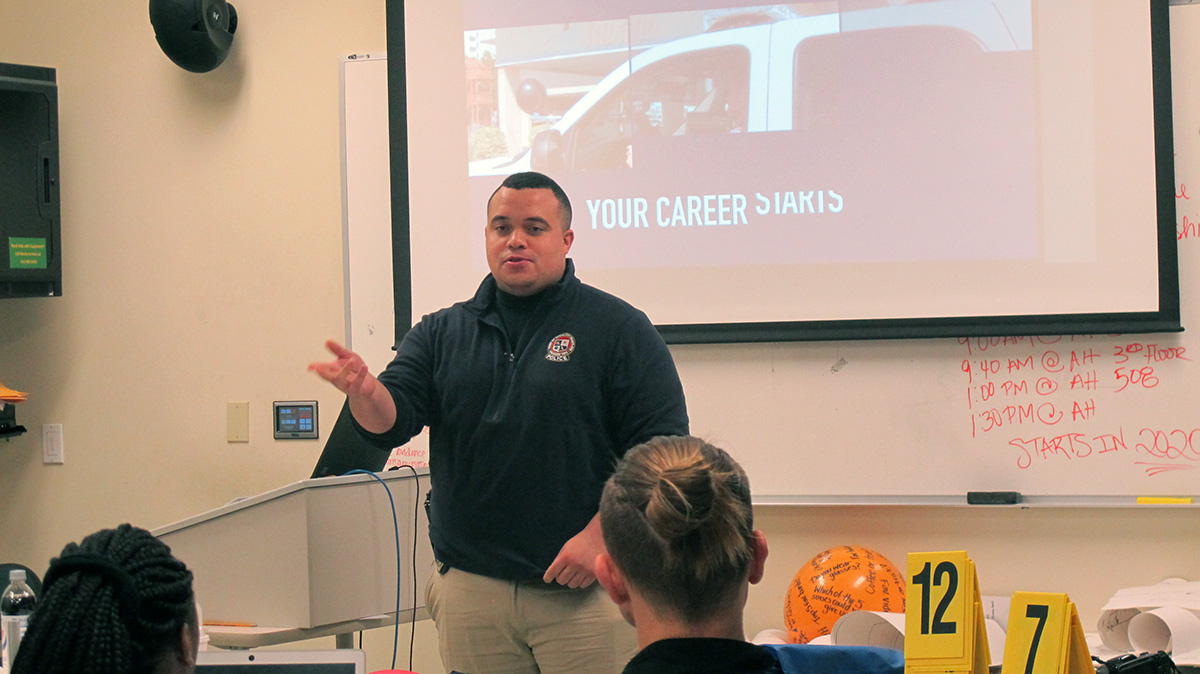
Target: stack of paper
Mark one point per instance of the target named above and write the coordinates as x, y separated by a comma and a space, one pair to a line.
8, 395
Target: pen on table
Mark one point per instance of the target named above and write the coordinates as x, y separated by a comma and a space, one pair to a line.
1164, 500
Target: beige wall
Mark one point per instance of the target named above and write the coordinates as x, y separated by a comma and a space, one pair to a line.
203, 264
202, 254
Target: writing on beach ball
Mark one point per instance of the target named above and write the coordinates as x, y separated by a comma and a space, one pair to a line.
835, 582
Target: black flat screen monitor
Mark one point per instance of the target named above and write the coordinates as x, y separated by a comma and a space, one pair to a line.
346, 450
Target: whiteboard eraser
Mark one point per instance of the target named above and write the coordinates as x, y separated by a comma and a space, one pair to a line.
993, 497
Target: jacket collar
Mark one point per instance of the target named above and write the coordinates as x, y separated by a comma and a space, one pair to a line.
485, 296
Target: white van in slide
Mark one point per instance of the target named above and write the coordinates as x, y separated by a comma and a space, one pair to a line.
781, 75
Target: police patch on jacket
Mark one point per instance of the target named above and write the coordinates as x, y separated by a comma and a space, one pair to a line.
560, 348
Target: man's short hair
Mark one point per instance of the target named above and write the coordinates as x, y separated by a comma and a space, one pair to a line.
532, 180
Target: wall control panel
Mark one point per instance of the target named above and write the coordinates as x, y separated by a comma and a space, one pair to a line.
295, 419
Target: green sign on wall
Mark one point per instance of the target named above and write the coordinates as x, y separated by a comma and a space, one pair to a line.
26, 253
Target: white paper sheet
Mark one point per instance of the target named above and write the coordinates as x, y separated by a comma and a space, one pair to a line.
869, 628
886, 630
1162, 617
770, 636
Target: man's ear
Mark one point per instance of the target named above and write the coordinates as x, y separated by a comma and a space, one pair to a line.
611, 579
758, 560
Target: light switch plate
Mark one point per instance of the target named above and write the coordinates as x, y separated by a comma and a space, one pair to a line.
52, 444
237, 424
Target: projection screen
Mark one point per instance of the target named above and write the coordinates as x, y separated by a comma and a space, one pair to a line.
813, 170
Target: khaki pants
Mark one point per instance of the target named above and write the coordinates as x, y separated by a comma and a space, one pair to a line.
491, 626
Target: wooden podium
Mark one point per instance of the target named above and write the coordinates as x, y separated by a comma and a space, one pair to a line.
312, 558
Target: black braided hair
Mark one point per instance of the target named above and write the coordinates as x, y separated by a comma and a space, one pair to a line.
116, 603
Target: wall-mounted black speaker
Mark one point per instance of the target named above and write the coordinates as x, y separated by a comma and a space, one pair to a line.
195, 34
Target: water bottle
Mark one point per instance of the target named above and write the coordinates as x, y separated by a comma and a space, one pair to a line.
16, 604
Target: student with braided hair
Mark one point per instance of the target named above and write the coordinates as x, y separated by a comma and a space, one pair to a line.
116, 603
681, 554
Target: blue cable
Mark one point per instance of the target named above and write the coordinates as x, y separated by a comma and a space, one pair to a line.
396, 532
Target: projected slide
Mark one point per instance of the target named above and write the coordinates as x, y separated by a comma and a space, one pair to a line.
803, 133
874, 161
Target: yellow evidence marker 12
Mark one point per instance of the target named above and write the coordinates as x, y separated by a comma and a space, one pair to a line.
943, 619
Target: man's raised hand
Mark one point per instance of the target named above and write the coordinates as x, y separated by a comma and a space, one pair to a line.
347, 372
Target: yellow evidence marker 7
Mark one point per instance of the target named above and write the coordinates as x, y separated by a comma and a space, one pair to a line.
1044, 636
943, 621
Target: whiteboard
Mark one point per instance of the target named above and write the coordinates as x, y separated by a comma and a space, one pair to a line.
366, 208
1059, 419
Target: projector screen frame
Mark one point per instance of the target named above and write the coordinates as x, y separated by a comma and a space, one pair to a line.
1165, 319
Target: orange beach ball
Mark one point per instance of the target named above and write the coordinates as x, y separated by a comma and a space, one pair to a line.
835, 582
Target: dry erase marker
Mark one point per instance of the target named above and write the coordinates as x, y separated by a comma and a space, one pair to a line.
1164, 500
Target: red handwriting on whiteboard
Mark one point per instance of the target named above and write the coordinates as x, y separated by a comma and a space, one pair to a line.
1084, 381
1176, 446
1136, 377
994, 418
1068, 445
1172, 444
980, 344
1186, 230
1022, 382
1151, 353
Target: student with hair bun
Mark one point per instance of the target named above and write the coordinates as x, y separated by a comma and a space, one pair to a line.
681, 554
116, 603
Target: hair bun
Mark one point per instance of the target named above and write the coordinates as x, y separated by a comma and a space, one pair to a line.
682, 501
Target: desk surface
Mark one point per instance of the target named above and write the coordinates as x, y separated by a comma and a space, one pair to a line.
223, 636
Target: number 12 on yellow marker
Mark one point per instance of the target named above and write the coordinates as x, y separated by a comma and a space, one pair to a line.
1044, 636
943, 621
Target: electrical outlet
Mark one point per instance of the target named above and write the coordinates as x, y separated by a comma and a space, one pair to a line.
52, 444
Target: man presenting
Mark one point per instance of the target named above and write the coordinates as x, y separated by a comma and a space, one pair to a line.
532, 390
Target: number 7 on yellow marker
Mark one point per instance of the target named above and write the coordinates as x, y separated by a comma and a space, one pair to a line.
1044, 636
